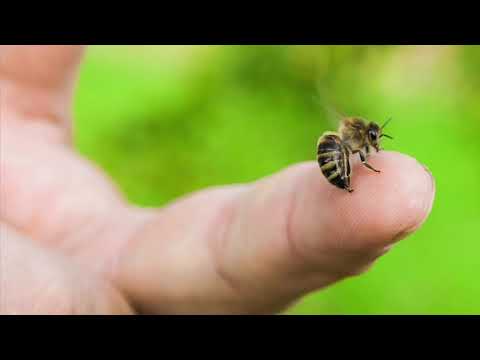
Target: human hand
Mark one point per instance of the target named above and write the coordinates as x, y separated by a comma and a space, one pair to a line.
37, 281
252, 248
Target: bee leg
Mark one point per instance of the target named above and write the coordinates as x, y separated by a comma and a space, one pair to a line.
364, 161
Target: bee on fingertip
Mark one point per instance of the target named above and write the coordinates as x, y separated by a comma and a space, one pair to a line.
334, 149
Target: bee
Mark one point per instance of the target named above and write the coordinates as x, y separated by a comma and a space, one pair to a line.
355, 135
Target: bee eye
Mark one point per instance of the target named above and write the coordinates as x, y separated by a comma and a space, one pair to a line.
372, 135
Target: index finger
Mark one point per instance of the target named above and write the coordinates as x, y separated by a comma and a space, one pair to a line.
384, 207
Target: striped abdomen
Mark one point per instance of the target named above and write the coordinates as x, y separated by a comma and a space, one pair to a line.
333, 159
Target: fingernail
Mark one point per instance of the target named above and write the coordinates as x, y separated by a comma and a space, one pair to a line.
429, 204
402, 235
429, 199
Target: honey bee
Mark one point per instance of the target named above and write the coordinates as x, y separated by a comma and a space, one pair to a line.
355, 135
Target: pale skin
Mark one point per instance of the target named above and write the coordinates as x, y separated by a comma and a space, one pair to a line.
69, 237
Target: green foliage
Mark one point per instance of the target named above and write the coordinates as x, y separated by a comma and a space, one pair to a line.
167, 121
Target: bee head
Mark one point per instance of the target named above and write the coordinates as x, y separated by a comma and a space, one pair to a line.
375, 133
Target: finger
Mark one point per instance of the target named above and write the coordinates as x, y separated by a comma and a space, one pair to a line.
37, 82
305, 234
34, 281
257, 248
322, 222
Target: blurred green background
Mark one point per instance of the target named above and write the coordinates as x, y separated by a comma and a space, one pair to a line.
167, 120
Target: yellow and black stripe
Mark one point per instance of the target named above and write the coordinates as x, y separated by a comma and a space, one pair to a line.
333, 159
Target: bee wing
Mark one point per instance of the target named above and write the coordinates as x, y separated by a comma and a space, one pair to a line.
332, 114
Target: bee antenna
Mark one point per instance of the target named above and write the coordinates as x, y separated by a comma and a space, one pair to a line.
386, 122
387, 136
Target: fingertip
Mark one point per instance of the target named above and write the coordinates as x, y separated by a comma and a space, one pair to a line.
401, 196
297, 223
383, 208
